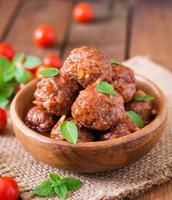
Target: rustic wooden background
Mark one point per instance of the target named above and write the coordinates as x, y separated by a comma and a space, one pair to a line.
122, 29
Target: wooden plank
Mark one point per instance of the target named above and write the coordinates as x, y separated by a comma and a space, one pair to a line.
107, 32
34, 13
163, 192
152, 30
7, 9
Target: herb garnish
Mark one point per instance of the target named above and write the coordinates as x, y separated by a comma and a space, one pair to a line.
144, 98
14, 72
55, 185
113, 61
49, 72
106, 88
69, 131
135, 118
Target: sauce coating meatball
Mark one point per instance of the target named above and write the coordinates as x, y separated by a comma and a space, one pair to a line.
86, 65
142, 108
40, 120
97, 110
124, 127
124, 81
84, 135
56, 94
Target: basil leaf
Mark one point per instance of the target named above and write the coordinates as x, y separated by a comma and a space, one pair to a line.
106, 88
3, 102
7, 91
9, 73
69, 131
135, 118
44, 189
144, 98
72, 183
55, 177
1, 79
61, 191
113, 61
19, 57
22, 76
4, 63
49, 72
31, 62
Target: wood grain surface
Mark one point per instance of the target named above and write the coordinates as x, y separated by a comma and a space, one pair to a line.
107, 32
8, 11
34, 13
152, 30
124, 28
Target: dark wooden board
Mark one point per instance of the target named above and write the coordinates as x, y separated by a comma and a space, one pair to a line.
107, 32
7, 10
152, 30
34, 13
162, 192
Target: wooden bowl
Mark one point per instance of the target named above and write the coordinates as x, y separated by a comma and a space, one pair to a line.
89, 156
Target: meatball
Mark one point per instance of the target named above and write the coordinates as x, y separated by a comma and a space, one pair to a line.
124, 81
142, 108
124, 127
97, 110
40, 120
86, 65
84, 135
56, 94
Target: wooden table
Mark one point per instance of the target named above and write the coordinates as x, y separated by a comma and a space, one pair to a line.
122, 29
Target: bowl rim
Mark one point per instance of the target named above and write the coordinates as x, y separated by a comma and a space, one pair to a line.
161, 116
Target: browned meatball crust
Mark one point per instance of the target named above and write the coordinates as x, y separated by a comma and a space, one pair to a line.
124, 81
124, 127
40, 120
142, 108
56, 94
86, 65
84, 135
97, 110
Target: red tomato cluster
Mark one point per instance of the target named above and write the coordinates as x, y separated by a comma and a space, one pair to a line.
7, 50
8, 189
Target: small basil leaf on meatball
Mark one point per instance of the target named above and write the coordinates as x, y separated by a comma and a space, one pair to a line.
96, 110
84, 135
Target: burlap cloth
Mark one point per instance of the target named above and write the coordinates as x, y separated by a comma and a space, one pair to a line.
153, 169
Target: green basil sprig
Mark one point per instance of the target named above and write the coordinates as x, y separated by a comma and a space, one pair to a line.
49, 72
106, 88
135, 118
144, 98
14, 72
55, 185
69, 131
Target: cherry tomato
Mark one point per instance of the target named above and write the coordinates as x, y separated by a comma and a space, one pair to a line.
8, 189
44, 36
83, 12
38, 75
7, 50
53, 60
3, 120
